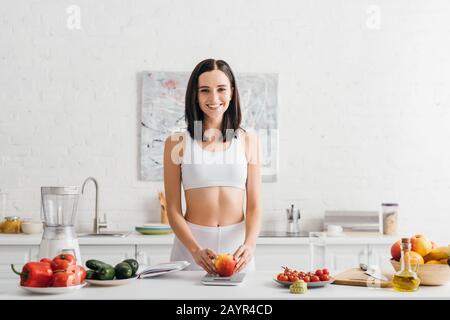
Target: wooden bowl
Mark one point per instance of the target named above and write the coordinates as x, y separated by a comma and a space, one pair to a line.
429, 274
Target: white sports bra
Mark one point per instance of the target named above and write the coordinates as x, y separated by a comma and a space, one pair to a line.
201, 168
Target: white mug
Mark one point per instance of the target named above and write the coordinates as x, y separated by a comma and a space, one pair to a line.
333, 229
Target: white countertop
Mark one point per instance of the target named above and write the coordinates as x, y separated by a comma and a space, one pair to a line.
186, 285
136, 238
132, 238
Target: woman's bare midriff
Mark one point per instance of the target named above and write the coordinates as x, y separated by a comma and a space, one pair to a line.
215, 206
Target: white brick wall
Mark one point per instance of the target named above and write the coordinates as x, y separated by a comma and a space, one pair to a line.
364, 112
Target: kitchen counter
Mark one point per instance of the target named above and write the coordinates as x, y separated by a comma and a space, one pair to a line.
137, 238
185, 285
132, 238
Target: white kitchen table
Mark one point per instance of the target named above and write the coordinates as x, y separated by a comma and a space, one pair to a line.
186, 285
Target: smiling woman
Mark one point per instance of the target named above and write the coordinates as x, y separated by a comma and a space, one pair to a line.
217, 163
212, 99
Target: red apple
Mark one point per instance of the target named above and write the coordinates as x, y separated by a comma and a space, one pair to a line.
225, 264
396, 250
421, 244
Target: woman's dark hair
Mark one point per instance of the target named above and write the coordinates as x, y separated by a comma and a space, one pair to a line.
231, 118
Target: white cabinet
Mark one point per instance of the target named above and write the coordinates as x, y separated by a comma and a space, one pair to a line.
342, 257
17, 255
111, 254
153, 254
273, 257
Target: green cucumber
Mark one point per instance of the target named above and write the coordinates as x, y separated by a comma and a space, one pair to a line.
133, 264
107, 272
123, 271
101, 270
95, 264
91, 274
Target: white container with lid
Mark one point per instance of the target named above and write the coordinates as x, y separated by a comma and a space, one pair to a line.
390, 218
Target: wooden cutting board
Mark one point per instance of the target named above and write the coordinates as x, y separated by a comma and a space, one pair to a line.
357, 277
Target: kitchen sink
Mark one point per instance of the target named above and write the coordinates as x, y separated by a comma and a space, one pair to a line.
283, 234
120, 234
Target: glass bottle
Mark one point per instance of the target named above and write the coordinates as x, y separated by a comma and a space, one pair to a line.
11, 224
406, 279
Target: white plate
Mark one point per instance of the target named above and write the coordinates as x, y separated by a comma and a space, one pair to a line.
54, 290
154, 226
110, 283
153, 231
310, 284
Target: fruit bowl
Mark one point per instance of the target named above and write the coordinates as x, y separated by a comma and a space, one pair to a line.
429, 274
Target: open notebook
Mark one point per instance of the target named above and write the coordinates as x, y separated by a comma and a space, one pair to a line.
162, 268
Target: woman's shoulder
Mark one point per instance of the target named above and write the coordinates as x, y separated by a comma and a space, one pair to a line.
250, 143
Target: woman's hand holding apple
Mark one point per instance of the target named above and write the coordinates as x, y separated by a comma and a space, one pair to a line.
243, 255
204, 258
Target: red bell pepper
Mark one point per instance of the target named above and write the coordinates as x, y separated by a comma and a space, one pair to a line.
62, 261
35, 274
63, 278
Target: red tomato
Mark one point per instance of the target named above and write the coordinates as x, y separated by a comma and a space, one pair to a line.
294, 274
283, 278
62, 261
64, 279
315, 279
307, 279
324, 277
325, 271
319, 272
80, 273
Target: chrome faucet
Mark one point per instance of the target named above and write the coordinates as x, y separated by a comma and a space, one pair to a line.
97, 223
293, 219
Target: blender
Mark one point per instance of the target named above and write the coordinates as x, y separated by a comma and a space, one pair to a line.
59, 207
